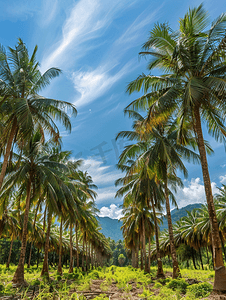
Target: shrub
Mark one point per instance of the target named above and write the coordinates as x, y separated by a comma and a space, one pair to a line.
35, 282
199, 290
70, 275
101, 297
58, 277
157, 285
178, 284
94, 275
167, 294
104, 286
146, 294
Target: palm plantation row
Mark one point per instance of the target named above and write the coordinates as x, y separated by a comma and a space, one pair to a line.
95, 250
192, 236
167, 129
37, 177
194, 233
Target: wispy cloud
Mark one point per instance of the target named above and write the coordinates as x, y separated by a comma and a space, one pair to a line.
88, 20
133, 32
106, 196
48, 12
18, 10
93, 84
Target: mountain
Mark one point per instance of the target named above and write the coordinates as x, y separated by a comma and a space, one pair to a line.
176, 214
111, 227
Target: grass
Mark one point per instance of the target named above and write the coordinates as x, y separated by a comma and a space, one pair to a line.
123, 279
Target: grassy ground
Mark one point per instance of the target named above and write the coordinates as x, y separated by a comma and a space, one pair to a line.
107, 283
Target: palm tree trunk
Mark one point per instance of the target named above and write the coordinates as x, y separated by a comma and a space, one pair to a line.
149, 253
18, 278
176, 270
160, 273
207, 254
38, 255
200, 256
133, 256
220, 271
193, 257
29, 259
59, 270
71, 249
211, 250
222, 244
10, 251
89, 261
77, 250
92, 255
36, 212
86, 256
83, 253
144, 245
7, 151
45, 267
141, 256
137, 254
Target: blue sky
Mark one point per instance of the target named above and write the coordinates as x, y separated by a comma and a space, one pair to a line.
96, 44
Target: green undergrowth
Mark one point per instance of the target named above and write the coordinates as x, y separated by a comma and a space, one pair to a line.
126, 279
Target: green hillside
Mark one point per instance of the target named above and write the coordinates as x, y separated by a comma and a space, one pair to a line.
111, 227
179, 213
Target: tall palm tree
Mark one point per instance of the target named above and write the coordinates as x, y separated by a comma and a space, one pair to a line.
21, 108
34, 167
191, 87
160, 152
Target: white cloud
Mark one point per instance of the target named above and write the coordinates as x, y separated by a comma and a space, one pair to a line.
223, 179
113, 212
94, 84
193, 193
104, 177
101, 174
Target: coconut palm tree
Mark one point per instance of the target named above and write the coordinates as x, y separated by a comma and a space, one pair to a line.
159, 151
35, 171
192, 87
21, 108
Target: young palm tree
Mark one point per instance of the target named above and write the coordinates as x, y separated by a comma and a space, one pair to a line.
21, 108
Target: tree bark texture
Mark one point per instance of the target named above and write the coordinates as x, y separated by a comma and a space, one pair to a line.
45, 267
176, 270
18, 278
220, 272
10, 251
59, 269
71, 249
160, 273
